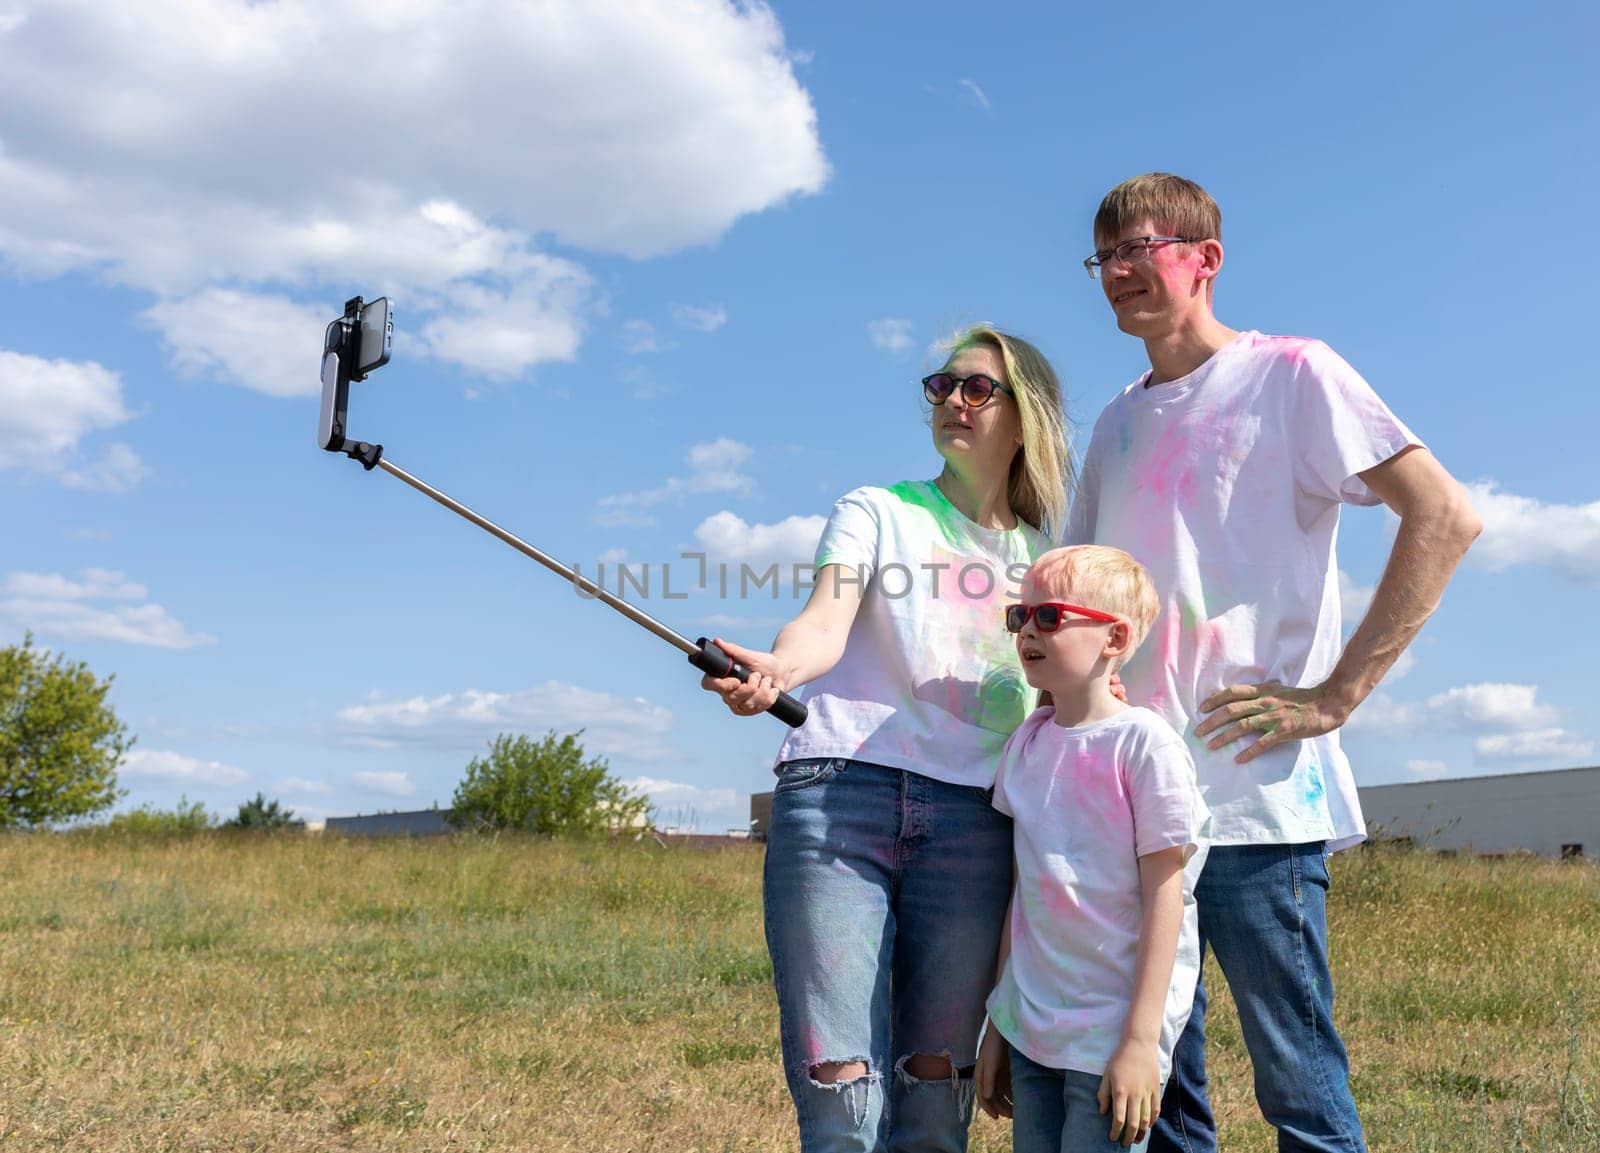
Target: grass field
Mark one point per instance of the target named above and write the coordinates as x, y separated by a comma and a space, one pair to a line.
289, 993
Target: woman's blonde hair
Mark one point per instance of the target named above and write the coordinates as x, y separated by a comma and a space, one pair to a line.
1042, 475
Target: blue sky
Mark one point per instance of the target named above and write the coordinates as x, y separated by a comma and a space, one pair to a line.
665, 276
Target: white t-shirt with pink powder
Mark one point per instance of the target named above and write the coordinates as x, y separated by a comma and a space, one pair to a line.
1088, 802
1226, 484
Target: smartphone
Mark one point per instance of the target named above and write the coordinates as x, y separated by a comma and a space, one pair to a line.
330, 427
376, 336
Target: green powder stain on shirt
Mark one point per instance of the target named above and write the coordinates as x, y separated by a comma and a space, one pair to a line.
925, 495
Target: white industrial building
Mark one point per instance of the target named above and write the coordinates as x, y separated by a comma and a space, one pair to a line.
1554, 814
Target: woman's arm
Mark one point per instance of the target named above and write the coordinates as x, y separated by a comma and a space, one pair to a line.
992, 1076
807, 646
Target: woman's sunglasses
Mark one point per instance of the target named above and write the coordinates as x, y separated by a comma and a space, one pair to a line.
975, 389
1047, 617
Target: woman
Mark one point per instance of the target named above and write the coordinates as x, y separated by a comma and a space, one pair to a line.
887, 870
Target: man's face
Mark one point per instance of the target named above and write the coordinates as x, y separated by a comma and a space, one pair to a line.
1153, 297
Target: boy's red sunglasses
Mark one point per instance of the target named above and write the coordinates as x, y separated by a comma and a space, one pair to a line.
1047, 616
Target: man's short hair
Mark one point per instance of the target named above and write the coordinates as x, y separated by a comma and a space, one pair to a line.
1100, 577
1177, 206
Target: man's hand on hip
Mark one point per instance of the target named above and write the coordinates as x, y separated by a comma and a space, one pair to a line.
1276, 712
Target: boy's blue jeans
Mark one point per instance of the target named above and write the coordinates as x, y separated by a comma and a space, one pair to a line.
1058, 1111
1263, 912
885, 892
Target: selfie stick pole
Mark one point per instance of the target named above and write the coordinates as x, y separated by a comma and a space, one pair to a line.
702, 654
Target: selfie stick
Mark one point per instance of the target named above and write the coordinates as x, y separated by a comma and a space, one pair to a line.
357, 344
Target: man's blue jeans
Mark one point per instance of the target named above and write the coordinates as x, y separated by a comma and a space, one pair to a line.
1263, 912
885, 893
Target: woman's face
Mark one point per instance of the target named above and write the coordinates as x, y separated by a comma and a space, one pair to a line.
986, 437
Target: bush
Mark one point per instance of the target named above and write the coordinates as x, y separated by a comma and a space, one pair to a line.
544, 786
260, 813
185, 820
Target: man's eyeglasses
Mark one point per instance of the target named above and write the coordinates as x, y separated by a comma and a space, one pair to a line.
975, 389
1047, 617
1135, 251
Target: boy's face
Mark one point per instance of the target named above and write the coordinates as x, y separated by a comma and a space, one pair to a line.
1157, 295
1075, 653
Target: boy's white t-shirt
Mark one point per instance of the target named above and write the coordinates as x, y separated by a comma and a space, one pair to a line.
1088, 802
1226, 485
929, 680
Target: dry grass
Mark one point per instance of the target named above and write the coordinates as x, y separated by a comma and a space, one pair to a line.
297, 993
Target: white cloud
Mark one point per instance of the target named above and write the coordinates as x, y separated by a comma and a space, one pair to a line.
1424, 770
1512, 723
1519, 530
502, 331
393, 784
170, 766
713, 467
1537, 745
300, 785
728, 537
265, 342
216, 146
684, 808
1492, 706
639, 337
977, 94
1354, 598
97, 584
700, 319
48, 407
1381, 713
612, 726
892, 333
54, 605
1403, 664
1467, 708
740, 556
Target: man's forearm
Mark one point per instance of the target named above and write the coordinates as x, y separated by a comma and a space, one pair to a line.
1427, 549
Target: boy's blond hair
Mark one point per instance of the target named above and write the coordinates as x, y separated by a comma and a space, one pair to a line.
1169, 202
1104, 578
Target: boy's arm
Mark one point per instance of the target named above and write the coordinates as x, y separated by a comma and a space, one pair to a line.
1437, 524
1131, 1087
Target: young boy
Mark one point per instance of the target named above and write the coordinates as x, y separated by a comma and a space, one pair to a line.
1223, 470
1100, 953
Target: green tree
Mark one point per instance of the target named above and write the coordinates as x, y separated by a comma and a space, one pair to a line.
260, 813
544, 786
60, 742
187, 819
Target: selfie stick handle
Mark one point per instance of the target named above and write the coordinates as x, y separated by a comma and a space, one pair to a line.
702, 654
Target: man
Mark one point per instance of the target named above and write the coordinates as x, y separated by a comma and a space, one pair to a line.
1223, 470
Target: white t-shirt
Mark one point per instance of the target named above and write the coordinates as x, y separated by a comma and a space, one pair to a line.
1089, 802
1226, 485
929, 680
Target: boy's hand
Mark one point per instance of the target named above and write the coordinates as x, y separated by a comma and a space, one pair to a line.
1118, 689
1131, 1091
1280, 714
993, 1074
